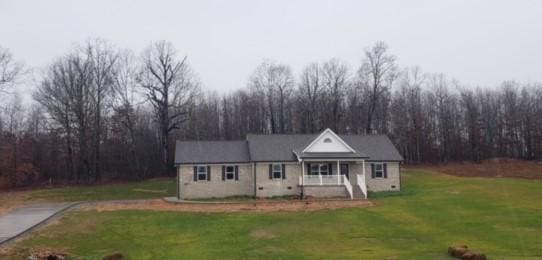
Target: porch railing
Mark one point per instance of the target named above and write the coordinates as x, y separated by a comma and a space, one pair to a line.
362, 185
322, 180
348, 187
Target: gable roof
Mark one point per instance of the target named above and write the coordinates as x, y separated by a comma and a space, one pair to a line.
320, 142
196, 152
281, 148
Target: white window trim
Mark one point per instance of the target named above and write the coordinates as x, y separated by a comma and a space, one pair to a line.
232, 173
381, 170
273, 171
319, 172
198, 173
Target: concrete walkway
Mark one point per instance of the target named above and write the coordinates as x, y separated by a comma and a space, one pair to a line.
20, 220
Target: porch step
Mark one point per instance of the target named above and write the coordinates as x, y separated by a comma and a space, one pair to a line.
358, 194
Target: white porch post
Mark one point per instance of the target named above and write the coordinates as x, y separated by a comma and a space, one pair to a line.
320, 177
302, 173
339, 173
363, 168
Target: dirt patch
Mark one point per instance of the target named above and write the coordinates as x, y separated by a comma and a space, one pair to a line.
261, 234
493, 168
249, 206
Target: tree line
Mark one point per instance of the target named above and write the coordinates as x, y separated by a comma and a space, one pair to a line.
100, 112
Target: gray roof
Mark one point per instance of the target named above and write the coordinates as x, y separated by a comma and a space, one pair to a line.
192, 152
280, 148
377, 147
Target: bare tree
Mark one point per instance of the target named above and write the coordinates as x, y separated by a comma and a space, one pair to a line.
170, 85
335, 81
102, 58
310, 91
275, 82
10, 70
376, 75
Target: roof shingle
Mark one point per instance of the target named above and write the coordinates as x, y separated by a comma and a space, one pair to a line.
277, 148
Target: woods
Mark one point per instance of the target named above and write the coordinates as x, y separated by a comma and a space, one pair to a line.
100, 113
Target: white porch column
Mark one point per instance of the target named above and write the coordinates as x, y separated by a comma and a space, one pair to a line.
363, 168
320, 177
302, 173
339, 173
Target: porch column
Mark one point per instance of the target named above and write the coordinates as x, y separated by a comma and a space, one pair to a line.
339, 173
363, 168
302, 179
302, 173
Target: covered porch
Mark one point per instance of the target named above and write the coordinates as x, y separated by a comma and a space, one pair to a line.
326, 162
349, 173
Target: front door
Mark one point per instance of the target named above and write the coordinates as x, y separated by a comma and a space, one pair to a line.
344, 170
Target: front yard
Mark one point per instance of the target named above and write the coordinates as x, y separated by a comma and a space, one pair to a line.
500, 217
155, 188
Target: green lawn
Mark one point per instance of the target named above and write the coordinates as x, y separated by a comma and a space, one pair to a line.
501, 217
155, 188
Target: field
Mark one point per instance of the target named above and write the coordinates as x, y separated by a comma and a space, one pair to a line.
155, 188
501, 217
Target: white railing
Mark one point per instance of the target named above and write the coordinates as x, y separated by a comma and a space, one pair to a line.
348, 187
322, 180
362, 185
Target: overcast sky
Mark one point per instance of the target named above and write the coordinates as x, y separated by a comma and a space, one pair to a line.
477, 42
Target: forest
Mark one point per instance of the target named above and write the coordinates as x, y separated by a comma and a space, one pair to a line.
101, 113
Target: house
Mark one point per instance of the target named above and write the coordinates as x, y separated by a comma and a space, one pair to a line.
324, 165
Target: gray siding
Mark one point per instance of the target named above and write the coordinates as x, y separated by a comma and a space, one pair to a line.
266, 187
378, 184
216, 187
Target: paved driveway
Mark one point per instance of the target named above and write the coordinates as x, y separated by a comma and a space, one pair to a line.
22, 219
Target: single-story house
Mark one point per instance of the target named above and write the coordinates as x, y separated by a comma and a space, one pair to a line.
322, 165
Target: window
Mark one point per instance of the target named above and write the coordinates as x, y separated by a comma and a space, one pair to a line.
379, 170
319, 169
277, 171
230, 172
202, 173
328, 140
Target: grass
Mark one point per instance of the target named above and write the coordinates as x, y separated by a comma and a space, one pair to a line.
154, 188
500, 217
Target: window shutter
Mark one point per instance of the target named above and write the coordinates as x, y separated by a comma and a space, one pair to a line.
330, 168
236, 172
195, 173
208, 173
283, 171
270, 171
223, 172
308, 168
372, 170
385, 170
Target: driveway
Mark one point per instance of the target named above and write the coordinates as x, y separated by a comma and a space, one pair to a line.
20, 220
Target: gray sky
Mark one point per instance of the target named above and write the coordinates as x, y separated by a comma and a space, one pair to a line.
477, 42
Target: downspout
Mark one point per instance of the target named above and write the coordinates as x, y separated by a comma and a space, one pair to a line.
254, 174
178, 183
302, 179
